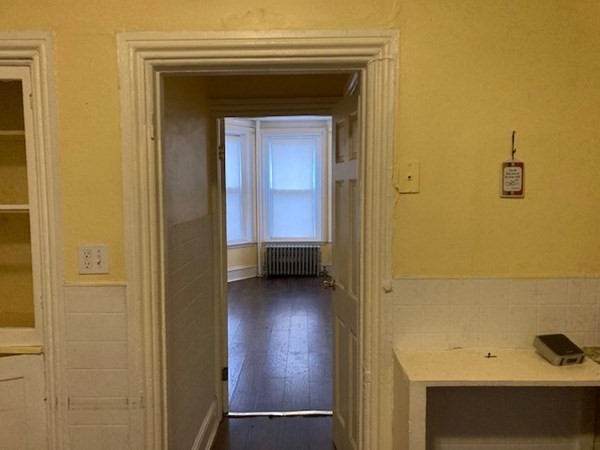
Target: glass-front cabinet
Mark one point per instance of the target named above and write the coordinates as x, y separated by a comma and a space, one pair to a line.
20, 301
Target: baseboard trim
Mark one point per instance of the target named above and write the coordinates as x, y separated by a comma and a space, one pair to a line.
242, 272
208, 430
301, 413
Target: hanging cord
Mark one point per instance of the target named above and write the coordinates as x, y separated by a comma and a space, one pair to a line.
513, 150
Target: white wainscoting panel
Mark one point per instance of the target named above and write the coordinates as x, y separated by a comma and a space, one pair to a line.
190, 332
237, 273
97, 349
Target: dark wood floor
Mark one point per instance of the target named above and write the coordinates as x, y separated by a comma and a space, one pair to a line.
283, 433
279, 345
279, 360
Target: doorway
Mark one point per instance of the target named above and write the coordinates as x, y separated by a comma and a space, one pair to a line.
278, 193
144, 57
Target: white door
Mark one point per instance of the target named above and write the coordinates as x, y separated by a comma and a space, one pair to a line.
346, 232
221, 261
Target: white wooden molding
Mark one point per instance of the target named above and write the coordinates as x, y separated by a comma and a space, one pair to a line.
143, 56
208, 430
21, 349
34, 51
262, 107
242, 272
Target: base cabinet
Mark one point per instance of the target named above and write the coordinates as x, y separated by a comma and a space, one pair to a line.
493, 399
22, 403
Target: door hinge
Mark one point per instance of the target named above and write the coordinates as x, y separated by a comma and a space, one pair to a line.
31, 101
225, 374
221, 152
137, 402
153, 127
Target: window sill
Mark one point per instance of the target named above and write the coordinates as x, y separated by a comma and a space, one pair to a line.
241, 245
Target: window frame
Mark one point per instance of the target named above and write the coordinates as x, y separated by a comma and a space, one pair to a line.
297, 128
247, 135
255, 201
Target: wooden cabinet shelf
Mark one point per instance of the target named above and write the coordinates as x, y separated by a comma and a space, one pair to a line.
12, 135
14, 208
12, 350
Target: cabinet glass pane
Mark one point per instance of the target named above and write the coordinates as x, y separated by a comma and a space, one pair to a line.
11, 105
16, 282
13, 171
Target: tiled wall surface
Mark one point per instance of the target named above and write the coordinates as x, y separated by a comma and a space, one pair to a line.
189, 321
448, 313
100, 397
98, 391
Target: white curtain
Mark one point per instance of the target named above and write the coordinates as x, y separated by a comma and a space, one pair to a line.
293, 188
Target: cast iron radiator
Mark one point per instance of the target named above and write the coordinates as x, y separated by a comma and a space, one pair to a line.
292, 259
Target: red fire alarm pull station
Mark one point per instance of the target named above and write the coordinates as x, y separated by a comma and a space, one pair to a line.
513, 176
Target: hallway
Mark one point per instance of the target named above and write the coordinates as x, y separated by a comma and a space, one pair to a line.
280, 344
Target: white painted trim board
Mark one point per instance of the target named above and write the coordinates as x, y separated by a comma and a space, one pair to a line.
372, 52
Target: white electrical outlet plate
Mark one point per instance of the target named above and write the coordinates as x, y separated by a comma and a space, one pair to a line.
93, 259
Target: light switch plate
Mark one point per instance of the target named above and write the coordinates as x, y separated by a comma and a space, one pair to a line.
93, 259
408, 180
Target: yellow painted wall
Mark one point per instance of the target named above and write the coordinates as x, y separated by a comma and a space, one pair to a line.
85, 39
241, 257
247, 256
471, 72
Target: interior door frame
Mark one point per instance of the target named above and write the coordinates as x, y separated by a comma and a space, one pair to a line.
143, 55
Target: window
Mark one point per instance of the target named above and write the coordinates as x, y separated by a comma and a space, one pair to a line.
293, 185
239, 184
290, 158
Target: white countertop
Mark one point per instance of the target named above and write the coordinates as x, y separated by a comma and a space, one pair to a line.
510, 367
